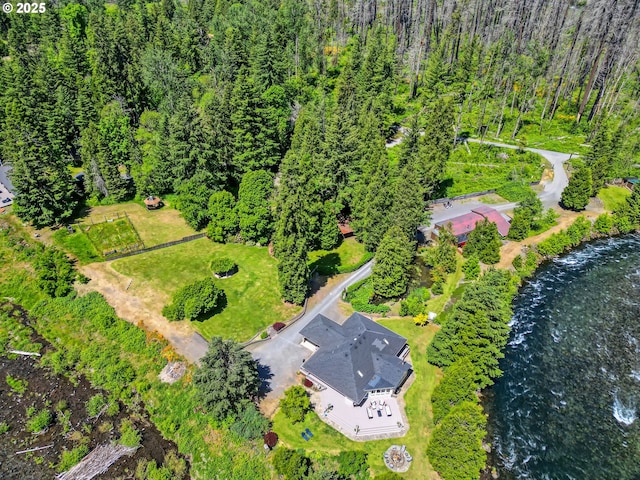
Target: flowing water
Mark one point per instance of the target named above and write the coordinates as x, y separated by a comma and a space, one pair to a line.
567, 406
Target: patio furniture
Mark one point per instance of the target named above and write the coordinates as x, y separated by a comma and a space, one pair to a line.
379, 413
308, 432
304, 435
369, 412
388, 410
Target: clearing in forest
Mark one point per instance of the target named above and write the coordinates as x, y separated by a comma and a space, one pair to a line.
253, 299
114, 236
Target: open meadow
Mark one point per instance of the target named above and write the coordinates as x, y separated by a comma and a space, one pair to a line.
253, 296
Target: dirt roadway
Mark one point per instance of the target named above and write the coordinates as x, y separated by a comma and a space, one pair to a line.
512, 249
112, 285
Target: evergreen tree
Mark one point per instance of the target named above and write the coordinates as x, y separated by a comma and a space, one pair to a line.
444, 255
601, 159
576, 194
153, 174
330, 234
293, 270
223, 215
484, 242
227, 378
435, 146
408, 209
478, 327
254, 209
392, 260
371, 219
455, 448
193, 198
458, 385
471, 268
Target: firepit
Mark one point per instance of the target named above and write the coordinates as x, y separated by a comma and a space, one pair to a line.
397, 458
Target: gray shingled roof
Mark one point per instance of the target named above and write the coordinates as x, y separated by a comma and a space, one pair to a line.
355, 357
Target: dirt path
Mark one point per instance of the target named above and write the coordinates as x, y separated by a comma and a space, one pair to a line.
112, 285
512, 249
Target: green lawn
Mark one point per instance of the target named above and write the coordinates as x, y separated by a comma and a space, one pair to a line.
345, 258
326, 440
77, 244
437, 303
253, 296
613, 197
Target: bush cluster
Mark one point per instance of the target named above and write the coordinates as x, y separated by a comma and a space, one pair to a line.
194, 301
360, 295
414, 304
222, 265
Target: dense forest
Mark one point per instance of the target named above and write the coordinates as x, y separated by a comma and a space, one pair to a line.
266, 120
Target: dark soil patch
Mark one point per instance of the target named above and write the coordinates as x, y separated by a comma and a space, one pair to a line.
47, 390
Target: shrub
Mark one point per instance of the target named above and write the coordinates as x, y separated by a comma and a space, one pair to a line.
69, 458
222, 265
264, 335
514, 191
415, 302
4, 427
603, 224
421, 320
55, 272
437, 288
278, 326
291, 464
270, 439
40, 421
95, 404
129, 434
194, 300
360, 294
353, 463
251, 424
295, 403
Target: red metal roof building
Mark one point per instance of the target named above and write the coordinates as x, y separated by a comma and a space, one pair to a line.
463, 225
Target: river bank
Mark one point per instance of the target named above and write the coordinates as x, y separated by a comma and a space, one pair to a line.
565, 406
30, 388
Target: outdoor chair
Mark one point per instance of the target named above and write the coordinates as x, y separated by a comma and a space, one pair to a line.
308, 432
304, 435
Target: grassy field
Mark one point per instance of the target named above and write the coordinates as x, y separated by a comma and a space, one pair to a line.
253, 297
326, 440
339, 260
488, 167
113, 236
153, 226
613, 197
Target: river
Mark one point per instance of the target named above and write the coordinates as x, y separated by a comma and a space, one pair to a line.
567, 406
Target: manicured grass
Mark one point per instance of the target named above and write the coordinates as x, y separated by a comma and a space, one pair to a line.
253, 296
115, 236
488, 167
613, 197
349, 254
326, 440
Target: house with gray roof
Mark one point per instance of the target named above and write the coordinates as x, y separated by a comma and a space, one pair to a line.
358, 358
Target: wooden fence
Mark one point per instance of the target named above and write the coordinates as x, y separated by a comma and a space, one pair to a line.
190, 238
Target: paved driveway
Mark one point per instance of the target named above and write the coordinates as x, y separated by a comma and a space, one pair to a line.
281, 357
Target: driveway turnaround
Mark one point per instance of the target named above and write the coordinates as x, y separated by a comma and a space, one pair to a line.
280, 357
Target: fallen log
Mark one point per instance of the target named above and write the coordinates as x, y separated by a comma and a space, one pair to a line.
20, 352
34, 449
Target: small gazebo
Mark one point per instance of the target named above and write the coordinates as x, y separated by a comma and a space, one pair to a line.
152, 203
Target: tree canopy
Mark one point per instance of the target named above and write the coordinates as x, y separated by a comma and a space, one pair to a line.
226, 379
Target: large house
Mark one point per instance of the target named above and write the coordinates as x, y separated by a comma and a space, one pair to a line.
358, 359
463, 225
